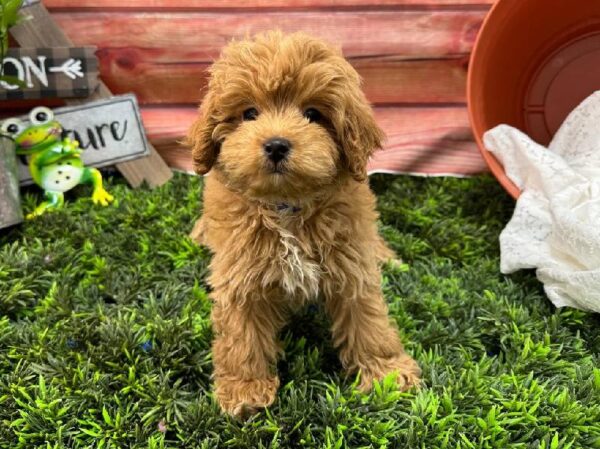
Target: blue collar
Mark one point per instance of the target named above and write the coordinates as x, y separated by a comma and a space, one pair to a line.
284, 207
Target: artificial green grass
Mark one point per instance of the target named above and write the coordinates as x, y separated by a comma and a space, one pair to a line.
105, 335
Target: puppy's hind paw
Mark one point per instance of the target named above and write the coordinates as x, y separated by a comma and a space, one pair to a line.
243, 398
407, 369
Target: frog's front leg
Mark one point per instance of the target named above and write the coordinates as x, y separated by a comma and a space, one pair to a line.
54, 200
71, 146
99, 195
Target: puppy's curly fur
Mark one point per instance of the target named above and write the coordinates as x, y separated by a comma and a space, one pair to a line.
289, 231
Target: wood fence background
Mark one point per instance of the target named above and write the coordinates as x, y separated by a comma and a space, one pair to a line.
412, 54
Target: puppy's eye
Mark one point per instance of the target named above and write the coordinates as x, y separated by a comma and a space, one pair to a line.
312, 115
250, 114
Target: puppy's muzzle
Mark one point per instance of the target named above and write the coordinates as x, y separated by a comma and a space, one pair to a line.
277, 149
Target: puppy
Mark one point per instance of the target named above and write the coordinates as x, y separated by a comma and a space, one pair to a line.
286, 133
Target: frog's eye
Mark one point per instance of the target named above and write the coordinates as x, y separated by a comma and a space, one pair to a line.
40, 115
12, 127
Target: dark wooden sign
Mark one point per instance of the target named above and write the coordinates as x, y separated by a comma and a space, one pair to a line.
50, 73
108, 131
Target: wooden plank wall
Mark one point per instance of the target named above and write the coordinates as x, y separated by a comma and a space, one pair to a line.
412, 55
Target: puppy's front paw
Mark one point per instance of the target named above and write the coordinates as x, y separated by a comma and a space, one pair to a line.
242, 398
408, 372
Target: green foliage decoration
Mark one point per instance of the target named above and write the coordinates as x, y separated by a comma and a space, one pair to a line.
9, 16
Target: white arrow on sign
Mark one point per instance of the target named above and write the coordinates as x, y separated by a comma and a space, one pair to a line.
71, 67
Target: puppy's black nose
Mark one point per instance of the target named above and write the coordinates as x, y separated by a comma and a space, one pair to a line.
277, 148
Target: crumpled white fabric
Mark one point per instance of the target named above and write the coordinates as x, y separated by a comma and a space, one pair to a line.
556, 224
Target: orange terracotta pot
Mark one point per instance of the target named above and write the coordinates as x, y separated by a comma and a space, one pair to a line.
533, 62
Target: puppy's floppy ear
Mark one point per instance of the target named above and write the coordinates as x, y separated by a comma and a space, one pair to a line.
200, 137
359, 134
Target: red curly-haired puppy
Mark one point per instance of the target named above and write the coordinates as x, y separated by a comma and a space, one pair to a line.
286, 133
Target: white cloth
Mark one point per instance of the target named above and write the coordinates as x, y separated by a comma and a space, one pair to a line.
556, 224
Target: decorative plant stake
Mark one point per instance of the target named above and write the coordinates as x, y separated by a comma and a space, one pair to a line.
42, 31
10, 201
55, 164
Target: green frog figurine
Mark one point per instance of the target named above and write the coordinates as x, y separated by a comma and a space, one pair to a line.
55, 164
